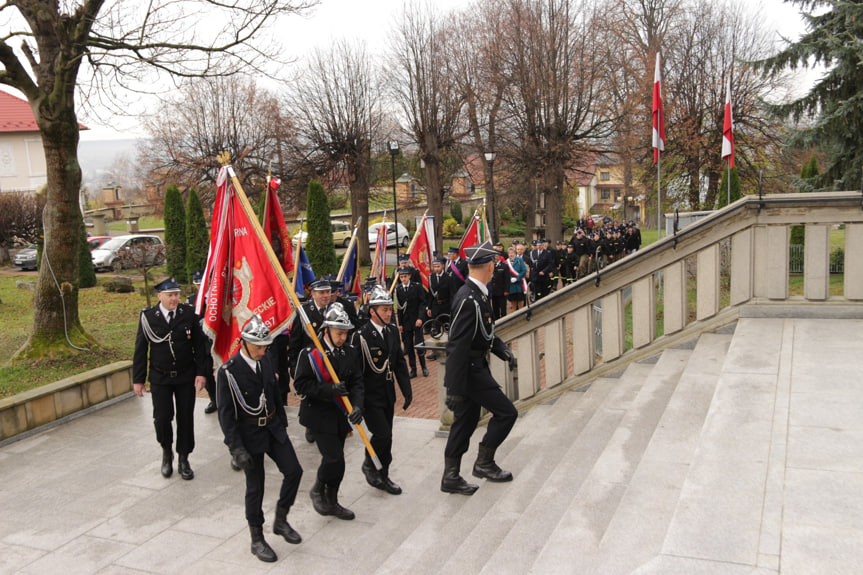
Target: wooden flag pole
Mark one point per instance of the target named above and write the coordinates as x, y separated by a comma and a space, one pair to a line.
225, 158
409, 250
351, 246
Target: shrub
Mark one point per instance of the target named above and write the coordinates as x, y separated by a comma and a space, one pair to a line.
837, 260
451, 228
175, 234
456, 213
319, 245
197, 236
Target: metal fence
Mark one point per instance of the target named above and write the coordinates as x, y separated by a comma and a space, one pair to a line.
797, 257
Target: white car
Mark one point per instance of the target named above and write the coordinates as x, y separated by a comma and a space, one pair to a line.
342, 232
114, 253
404, 238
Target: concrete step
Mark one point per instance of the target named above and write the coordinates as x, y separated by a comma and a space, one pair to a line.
525, 541
647, 493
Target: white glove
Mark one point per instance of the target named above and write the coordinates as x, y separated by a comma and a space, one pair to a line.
512, 280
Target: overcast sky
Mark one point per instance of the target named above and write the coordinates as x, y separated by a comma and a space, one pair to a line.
371, 21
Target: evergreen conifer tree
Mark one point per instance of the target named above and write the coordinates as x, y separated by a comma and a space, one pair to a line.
197, 235
319, 242
86, 271
175, 234
722, 193
834, 40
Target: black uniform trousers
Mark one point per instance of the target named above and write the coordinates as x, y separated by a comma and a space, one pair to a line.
379, 421
165, 397
498, 306
286, 460
481, 395
332, 449
409, 337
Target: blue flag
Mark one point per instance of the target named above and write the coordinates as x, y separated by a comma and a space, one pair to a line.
307, 274
351, 279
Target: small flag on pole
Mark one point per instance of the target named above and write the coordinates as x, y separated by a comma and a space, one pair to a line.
658, 114
728, 130
421, 253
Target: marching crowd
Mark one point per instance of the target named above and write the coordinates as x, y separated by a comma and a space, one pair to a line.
350, 378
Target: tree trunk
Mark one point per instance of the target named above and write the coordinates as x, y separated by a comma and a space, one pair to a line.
434, 194
552, 181
55, 303
359, 173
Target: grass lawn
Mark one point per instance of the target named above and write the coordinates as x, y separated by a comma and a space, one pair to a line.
111, 318
145, 223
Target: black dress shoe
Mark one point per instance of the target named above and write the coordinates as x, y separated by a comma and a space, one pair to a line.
211, 407
425, 372
310, 437
234, 465
413, 373
167, 463
184, 468
373, 476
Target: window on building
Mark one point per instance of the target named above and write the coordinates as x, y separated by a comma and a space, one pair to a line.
604, 176
605, 194
413, 189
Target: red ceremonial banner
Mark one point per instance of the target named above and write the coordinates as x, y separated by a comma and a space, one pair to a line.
241, 279
421, 254
275, 229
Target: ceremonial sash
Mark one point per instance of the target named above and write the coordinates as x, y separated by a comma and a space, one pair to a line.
515, 275
454, 269
323, 374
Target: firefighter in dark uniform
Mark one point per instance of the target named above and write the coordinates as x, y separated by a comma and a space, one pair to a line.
468, 381
254, 423
315, 309
336, 295
439, 290
320, 412
411, 309
382, 362
541, 269
456, 272
405, 262
172, 348
211, 378
499, 284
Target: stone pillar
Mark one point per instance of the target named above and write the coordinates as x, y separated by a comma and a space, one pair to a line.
132, 225
99, 227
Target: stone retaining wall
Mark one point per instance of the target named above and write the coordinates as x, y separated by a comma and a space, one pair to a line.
51, 402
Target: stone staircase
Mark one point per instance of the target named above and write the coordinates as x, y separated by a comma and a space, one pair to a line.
737, 452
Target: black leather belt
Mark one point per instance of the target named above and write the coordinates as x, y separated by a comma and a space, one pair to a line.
259, 421
478, 353
169, 373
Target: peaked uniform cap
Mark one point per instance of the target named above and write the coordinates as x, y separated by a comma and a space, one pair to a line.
169, 285
481, 254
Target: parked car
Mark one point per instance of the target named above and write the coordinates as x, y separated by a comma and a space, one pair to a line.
26, 258
117, 253
404, 238
97, 241
341, 234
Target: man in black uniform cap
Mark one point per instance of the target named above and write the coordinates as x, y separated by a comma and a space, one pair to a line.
170, 342
499, 284
320, 412
469, 384
411, 309
254, 421
382, 362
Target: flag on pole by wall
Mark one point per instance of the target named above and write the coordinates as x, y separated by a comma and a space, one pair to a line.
728, 130
241, 279
305, 273
421, 253
275, 229
658, 114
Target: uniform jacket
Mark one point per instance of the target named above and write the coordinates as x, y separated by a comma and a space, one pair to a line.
500, 279
452, 279
382, 362
239, 427
318, 411
541, 261
188, 342
411, 304
439, 294
471, 336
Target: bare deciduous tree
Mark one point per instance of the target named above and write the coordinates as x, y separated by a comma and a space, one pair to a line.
337, 107
102, 47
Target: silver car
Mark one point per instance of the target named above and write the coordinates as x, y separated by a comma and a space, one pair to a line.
117, 252
26, 259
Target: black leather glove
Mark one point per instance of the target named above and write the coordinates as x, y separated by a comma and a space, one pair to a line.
356, 416
242, 458
408, 400
454, 402
340, 389
507, 356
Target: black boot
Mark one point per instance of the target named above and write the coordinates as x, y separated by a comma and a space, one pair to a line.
319, 500
452, 482
183, 466
389, 486
332, 492
485, 467
211, 407
310, 437
373, 477
260, 548
234, 465
283, 528
167, 462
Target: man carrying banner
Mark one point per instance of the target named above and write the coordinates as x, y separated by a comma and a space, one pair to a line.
254, 422
172, 347
468, 381
322, 412
382, 362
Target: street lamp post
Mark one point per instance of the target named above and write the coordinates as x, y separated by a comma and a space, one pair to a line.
489, 192
393, 147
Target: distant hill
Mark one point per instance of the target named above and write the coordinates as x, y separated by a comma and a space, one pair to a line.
98, 157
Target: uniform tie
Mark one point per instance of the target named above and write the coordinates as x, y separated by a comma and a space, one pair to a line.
258, 371
170, 316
